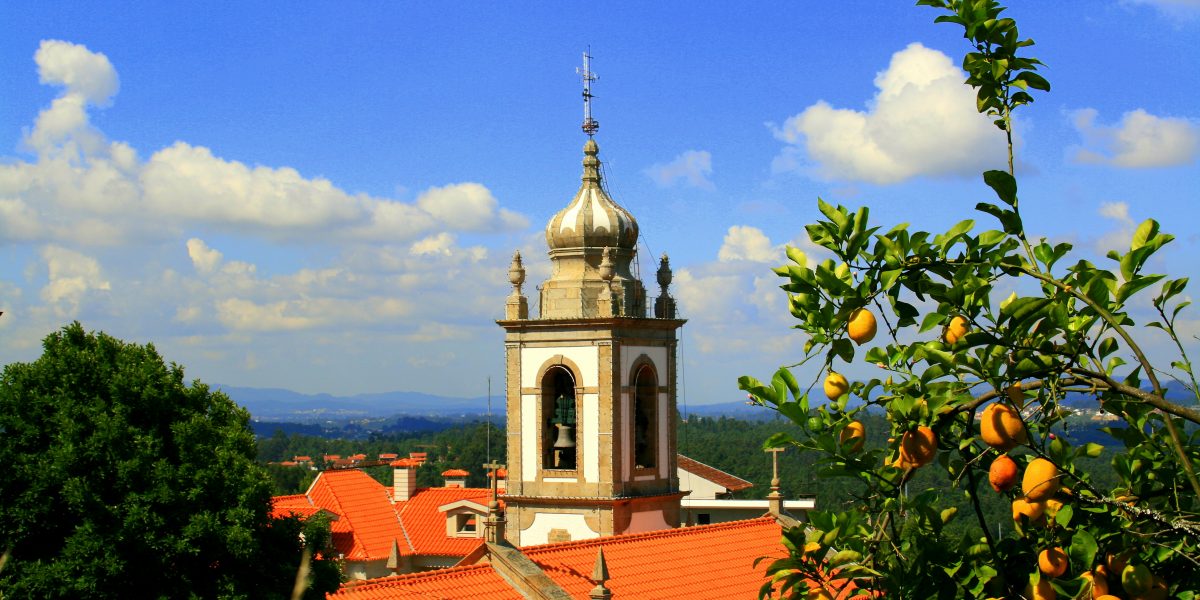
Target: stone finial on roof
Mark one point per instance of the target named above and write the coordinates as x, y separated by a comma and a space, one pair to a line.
393, 561
517, 306
600, 577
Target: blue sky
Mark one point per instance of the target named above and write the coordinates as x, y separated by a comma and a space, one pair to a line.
325, 197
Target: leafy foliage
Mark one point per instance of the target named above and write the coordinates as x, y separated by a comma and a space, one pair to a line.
1066, 327
122, 482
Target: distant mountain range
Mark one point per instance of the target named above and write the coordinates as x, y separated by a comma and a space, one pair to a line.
276, 404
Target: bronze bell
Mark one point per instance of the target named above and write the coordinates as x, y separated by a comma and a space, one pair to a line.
564, 447
566, 437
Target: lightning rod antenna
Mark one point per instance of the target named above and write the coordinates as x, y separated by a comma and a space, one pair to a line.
590, 125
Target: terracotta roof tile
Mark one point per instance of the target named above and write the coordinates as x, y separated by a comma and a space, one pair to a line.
455, 473
475, 581
426, 525
388, 456
295, 504
717, 476
708, 561
405, 462
367, 523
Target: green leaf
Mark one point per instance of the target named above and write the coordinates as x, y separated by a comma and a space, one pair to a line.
1083, 547
1145, 232
797, 256
1033, 80
1004, 185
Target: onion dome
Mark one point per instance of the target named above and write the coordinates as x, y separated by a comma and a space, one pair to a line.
592, 219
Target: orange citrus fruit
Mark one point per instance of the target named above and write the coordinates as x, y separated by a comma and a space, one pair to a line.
917, 448
1042, 591
1031, 510
1003, 473
1041, 480
862, 326
956, 330
854, 431
835, 385
1001, 427
1053, 562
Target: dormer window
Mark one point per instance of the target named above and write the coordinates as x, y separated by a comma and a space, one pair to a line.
466, 525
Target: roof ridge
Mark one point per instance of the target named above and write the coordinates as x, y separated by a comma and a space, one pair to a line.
434, 574
625, 537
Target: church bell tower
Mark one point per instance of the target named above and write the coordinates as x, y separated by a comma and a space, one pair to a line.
591, 380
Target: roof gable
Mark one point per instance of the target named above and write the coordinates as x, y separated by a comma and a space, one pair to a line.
368, 524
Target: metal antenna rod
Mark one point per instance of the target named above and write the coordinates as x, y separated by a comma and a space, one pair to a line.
590, 125
489, 422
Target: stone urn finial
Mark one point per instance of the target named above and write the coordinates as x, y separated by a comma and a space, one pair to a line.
516, 273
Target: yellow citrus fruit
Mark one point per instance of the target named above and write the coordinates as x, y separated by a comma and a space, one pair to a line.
1001, 427
1158, 591
1031, 510
955, 330
1041, 480
1137, 579
854, 431
1016, 395
1042, 591
1003, 473
1052, 507
862, 326
835, 385
819, 593
1053, 562
917, 448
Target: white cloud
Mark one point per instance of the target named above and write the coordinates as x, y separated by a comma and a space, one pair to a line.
205, 259
743, 242
1177, 9
921, 122
84, 189
693, 168
1118, 238
1140, 140
468, 207
71, 277
82, 72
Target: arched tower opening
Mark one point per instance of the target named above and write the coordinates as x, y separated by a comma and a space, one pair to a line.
645, 417
559, 419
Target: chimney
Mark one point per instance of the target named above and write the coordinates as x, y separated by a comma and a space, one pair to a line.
455, 478
404, 479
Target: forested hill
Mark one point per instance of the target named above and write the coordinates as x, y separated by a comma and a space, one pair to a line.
732, 445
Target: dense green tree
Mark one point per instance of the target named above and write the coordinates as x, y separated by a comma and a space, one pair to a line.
122, 481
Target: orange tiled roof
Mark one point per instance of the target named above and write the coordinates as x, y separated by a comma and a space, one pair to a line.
704, 562
295, 504
707, 561
301, 458
388, 456
475, 581
713, 474
405, 462
455, 473
426, 525
367, 523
